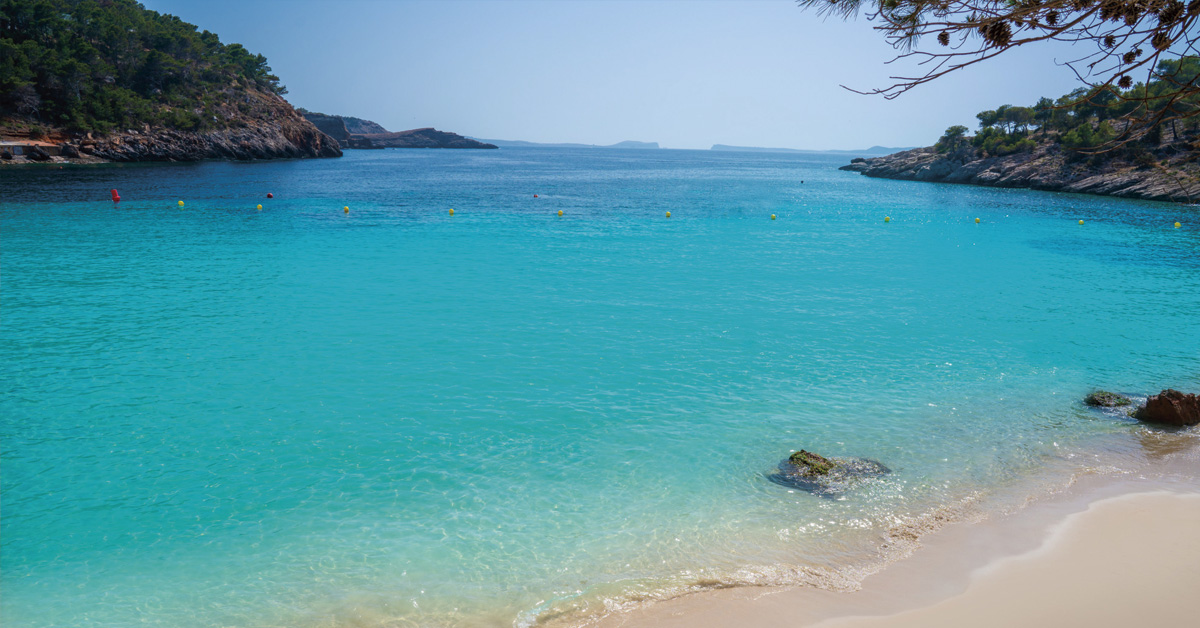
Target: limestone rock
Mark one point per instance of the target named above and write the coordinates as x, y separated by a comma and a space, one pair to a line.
1047, 167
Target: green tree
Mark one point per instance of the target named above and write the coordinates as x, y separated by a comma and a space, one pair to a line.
952, 139
1117, 40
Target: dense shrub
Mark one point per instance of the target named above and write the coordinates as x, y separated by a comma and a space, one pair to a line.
105, 64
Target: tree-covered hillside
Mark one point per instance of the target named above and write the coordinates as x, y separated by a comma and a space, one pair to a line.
1095, 122
100, 65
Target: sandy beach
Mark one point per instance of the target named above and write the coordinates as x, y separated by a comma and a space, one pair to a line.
1105, 553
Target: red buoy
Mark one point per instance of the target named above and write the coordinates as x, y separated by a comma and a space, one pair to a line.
116, 197
535, 196
269, 195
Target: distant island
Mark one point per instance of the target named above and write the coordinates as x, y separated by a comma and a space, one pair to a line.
1065, 145
358, 133
521, 143
95, 82
874, 150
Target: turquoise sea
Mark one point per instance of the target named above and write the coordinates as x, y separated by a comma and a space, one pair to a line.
219, 416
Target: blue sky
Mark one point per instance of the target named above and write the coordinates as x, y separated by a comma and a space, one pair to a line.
686, 74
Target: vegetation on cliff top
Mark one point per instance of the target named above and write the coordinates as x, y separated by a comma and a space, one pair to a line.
1087, 121
100, 65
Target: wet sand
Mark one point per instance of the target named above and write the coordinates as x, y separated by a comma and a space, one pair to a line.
1105, 553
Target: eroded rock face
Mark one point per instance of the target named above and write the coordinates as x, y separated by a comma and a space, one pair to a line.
1170, 407
826, 477
1105, 399
274, 130
1046, 168
333, 126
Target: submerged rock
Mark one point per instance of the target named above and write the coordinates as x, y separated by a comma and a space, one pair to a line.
1105, 399
822, 476
1170, 407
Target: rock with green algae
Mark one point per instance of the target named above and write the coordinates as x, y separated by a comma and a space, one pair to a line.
809, 463
1105, 399
825, 477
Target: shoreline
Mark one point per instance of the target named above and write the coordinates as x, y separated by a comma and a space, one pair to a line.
938, 576
1048, 169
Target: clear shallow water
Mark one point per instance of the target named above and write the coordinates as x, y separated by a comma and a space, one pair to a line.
219, 416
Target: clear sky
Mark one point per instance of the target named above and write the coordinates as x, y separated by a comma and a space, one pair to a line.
685, 74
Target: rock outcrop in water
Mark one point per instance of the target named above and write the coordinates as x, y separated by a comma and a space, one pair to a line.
1105, 399
1171, 407
823, 476
1048, 167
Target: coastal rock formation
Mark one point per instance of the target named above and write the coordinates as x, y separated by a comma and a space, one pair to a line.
1048, 167
1171, 407
261, 126
276, 131
358, 126
358, 133
822, 476
421, 138
333, 126
1105, 399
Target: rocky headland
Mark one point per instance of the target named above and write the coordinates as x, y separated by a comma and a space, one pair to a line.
1048, 167
358, 133
114, 81
264, 126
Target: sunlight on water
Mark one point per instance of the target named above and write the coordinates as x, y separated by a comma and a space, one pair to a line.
220, 416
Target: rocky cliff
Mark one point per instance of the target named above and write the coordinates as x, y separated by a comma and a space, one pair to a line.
1171, 176
358, 126
333, 126
260, 125
270, 129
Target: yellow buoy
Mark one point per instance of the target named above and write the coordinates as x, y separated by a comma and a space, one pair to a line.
668, 214
1081, 222
560, 212
772, 216
887, 218
451, 211
1177, 225
181, 203
346, 209
260, 208
976, 221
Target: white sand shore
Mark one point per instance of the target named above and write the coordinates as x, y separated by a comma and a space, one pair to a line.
1125, 561
1114, 555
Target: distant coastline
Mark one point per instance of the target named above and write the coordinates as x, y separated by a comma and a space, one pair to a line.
874, 150
524, 144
